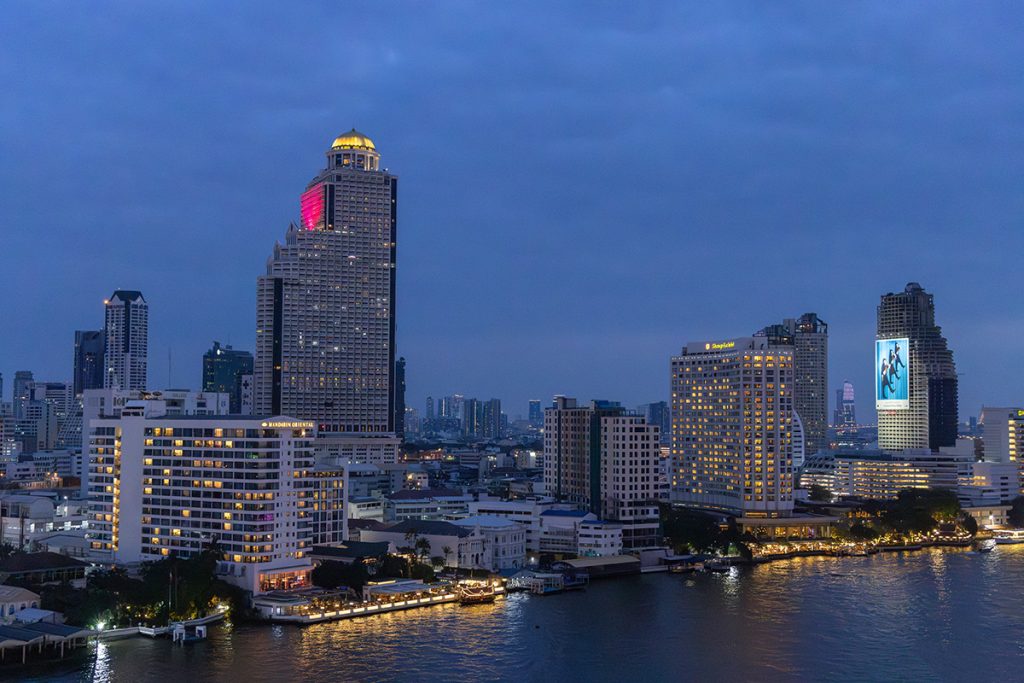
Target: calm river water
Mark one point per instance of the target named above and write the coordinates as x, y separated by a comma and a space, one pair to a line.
931, 615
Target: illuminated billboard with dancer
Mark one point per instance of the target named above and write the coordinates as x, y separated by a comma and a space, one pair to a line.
892, 374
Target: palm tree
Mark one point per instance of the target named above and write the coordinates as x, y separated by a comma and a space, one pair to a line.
422, 548
447, 553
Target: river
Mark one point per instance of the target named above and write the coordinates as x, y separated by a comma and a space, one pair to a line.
938, 614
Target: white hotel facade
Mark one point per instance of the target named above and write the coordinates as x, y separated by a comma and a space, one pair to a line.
163, 485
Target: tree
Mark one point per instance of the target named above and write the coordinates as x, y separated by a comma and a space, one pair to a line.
447, 550
422, 547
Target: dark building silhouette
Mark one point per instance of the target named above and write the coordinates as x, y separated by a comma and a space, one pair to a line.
89, 349
223, 369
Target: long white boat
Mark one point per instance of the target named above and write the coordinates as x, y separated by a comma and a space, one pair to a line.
1008, 536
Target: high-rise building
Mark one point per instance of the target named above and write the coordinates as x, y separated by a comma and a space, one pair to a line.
1003, 438
399, 402
126, 350
605, 459
224, 369
472, 417
89, 352
481, 419
536, 415
732, 417
844, 418
325, 320
658, 413
23, 380
808, 337
429, 413
258, 495
915, 377
493, 427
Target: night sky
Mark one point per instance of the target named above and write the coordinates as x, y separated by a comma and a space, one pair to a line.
583, 189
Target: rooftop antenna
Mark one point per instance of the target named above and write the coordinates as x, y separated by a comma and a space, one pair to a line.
169, 383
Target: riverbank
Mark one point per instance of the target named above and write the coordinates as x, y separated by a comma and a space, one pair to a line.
903, 615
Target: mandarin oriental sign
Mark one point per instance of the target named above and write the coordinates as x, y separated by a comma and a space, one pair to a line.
287, 425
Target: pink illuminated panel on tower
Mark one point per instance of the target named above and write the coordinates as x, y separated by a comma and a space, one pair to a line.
312, 207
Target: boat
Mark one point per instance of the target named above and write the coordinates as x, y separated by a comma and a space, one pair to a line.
180, 634
476, 595
1008, 536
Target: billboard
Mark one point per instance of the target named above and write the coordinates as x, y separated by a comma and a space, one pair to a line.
892, 374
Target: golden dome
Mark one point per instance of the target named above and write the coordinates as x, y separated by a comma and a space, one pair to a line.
353, 140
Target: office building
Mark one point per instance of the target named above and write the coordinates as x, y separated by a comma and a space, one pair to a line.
429, 414
224, 370
325, 321
163, 485
399, 401
845, 417
536, 414
89, 353
732, 406
916, 382
807, 336
605, 459
22, 388
126, 350
658, 413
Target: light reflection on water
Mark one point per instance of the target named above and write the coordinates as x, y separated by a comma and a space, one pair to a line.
933, 615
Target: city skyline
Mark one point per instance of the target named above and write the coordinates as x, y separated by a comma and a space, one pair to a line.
501, 227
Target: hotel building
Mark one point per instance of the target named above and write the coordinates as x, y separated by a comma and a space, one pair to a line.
732, 416
325, 319
163, 485
1003, 436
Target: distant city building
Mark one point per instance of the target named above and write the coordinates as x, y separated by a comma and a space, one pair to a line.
429, 413
89, 353
659, 414
400, 397
22, 388
126, 350
536, 414
247, 395
325, 322
926, 417
481, 419
732, 421
604, 458
845, 417
808, 337
224, 370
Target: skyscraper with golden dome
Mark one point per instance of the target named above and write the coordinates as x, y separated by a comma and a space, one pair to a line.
325, 319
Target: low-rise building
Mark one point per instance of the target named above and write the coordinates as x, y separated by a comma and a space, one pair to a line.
461, 547
598, 539
13, 599
505, 540
435, 504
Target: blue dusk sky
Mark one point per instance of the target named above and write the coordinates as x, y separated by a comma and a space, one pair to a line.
584, 187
